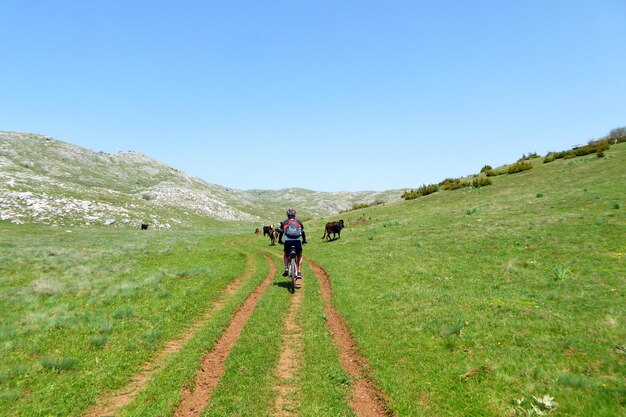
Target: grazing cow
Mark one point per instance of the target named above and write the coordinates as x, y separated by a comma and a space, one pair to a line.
267, 229
273, 237
144, 226
334, 228
257, 231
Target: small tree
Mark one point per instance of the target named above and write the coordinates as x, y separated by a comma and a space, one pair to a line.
618, 135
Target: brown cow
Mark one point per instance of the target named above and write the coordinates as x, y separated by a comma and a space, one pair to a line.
273, 237
334, 228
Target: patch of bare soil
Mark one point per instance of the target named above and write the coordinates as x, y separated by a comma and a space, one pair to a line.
367, 400
289, 360
212, 366
110, 405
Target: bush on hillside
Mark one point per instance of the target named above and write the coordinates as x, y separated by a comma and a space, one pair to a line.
422, 191
486, 168
519, 167
594, 146
617, 135
531, 155
453, 184
357, 206
549, 157
481, 182
496, 172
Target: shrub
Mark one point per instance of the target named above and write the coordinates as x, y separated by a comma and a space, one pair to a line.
453, 184
531, 155
486, 168
594, 146
550, 157
519, 167
496, 172
617, 135
422, 191
481, 182
357, 206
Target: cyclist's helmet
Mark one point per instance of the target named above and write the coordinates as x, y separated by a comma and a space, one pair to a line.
291, 213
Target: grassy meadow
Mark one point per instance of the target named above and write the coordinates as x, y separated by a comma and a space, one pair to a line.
504, 300
82, 311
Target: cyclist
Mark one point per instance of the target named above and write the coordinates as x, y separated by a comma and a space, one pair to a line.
293, 230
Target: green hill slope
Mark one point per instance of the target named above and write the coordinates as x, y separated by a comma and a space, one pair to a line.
484, 301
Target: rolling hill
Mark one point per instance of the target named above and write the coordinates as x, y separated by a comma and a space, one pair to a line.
45, 180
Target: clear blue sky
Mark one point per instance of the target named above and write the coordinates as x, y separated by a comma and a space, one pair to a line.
325, 95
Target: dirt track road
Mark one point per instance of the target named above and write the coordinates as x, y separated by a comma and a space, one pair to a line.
365, 399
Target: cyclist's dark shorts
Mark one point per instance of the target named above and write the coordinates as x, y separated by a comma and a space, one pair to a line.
289, 243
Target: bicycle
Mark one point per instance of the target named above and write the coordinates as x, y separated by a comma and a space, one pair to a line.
292, 268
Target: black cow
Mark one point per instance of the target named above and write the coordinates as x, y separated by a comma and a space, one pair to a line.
267, 229
334, 228
144, 226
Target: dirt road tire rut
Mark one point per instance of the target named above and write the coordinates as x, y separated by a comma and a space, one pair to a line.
366, 399
213, 363
111, 404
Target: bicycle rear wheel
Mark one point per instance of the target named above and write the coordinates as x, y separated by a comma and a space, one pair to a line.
293, 270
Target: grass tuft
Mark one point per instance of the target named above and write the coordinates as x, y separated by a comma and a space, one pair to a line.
10, 395
58, 364
123, 312
98, 341
560, 272
454, 329
150, 338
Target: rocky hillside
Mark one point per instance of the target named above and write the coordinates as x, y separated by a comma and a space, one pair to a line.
44, 180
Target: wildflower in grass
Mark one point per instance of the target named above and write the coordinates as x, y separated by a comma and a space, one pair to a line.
546, 402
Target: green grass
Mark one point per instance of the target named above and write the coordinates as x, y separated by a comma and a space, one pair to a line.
466, 311
325, 385
81, 312
245, 389
483, 301
163, 393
